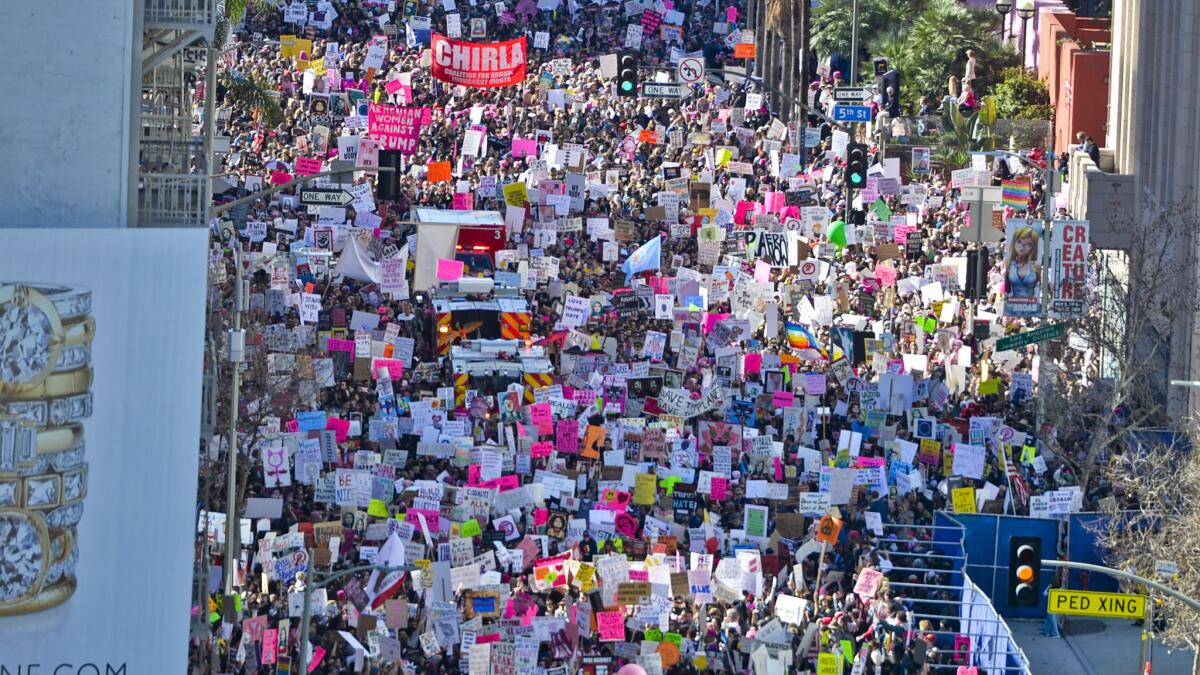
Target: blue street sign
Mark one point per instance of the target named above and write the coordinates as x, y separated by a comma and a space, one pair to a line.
851, 113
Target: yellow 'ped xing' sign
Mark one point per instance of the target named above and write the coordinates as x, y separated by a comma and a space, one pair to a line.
1088, 603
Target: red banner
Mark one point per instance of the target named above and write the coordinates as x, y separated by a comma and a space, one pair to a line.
479, 64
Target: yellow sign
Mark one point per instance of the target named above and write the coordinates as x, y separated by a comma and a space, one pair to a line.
644, 489
964, 500
515, 194
1090, 603
828, 664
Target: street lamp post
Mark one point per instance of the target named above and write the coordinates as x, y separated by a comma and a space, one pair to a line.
306, 613
1003, 7
1025, 10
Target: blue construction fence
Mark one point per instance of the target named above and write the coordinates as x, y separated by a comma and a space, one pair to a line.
986, 545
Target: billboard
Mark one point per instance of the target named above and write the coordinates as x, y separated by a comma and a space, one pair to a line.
1023, 267
101, 358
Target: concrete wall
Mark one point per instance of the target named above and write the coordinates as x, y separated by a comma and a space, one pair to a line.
65, 113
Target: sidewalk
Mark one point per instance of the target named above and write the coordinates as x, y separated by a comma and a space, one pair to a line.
1094, 647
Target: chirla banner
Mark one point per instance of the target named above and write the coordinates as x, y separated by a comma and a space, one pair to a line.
479, 64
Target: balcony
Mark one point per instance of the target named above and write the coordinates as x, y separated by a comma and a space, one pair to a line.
179, 14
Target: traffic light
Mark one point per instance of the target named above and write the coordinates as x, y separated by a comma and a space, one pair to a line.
1024, 571
387, 183
856, 166
627, 73
978, 264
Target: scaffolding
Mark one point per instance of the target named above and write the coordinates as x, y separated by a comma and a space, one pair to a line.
172, 146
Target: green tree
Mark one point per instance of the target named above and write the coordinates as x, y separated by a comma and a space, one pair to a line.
247, 92
925, 40
1021, 96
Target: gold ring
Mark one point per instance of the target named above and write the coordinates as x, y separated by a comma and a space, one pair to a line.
58, 439
49, 597
59, 384
78, 332
21, 442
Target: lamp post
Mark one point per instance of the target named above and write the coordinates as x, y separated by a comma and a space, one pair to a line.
1025, 10
1003, 7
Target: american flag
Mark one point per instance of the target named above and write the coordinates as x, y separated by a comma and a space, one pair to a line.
1019, 488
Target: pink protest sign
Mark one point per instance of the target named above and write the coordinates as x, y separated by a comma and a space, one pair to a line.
712, 319
783, 399
752, 363
368, 153
502, 484
393, 86
449, 270
868, 462
432, 518
280, 177
814, 384
773, 201
307, 166
464, 201
762, 271
524, 147
886, 274
720, 488
542, 448
567, 436
253, 628
341, 428
318, 656
270, 643
541, 416
741, 212
336, 345
394, 127
394, 367
731, 14
868, 582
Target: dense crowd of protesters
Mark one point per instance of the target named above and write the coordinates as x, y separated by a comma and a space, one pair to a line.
841, 374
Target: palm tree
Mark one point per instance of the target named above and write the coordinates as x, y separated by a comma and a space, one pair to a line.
962, 135
246, 91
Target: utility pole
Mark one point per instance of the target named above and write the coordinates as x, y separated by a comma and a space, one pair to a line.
854, 45
1049, 210
236, 342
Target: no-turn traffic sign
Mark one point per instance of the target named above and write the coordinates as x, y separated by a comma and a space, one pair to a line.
691, 69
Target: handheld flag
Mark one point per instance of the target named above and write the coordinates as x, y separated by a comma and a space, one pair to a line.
647, 257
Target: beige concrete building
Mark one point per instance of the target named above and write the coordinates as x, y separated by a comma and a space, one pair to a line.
1152, 161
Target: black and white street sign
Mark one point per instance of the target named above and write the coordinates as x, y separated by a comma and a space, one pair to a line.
324, 197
